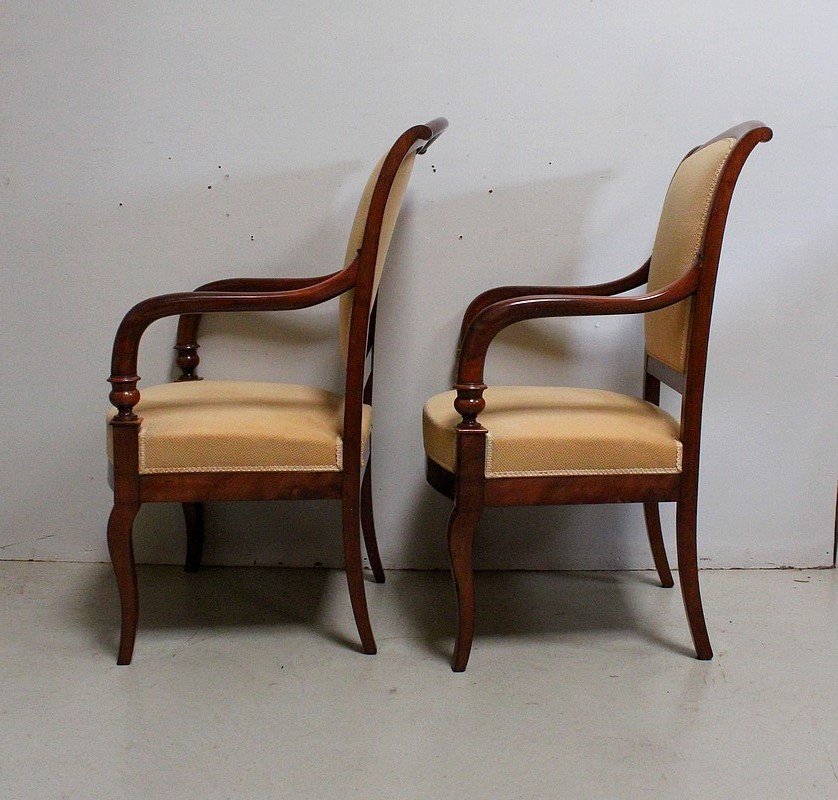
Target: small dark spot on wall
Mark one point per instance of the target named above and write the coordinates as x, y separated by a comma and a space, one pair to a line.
227, 214
120, 205
170, 158
219, 166
549, 163
209, 187
227, 175
459, 237
433, 167
251, 238
491, 190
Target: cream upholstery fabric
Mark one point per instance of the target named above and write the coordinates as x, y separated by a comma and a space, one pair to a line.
678, 243
536, 430
388, 225
220, 426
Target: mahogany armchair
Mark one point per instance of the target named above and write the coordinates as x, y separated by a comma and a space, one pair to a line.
193, 441
507, 446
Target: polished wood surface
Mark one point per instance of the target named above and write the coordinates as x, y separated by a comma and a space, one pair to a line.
496, 309
131, 489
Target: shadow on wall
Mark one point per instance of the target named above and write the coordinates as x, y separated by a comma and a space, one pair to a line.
550, 217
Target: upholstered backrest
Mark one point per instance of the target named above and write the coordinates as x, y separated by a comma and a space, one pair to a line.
678, 245
356, 235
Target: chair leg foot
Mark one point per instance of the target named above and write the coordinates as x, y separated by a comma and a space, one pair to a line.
122, 557
355, 572
461, 528
193, 513
688, 577
368, 527
653, 529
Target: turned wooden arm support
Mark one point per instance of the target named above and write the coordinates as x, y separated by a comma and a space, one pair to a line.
186, 342
124, 394
491, 296
490, 321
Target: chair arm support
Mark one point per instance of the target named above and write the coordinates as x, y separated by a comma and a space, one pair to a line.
123, 379
186, 342
494, 318
491, 296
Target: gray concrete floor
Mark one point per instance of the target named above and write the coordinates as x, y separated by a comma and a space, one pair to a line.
246, 684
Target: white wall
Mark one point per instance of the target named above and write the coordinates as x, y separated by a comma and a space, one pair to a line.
116, 117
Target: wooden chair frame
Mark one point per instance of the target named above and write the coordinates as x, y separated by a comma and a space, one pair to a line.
494, 310
131, 488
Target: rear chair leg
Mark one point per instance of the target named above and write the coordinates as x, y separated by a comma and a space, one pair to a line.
122, 557
354, 569
688, 576
653, 527
368, 526
193, 513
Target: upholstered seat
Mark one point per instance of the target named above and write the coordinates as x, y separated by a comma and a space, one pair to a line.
541, 430
238, 426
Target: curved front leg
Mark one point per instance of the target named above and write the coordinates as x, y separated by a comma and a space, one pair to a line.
468, 508
121, 549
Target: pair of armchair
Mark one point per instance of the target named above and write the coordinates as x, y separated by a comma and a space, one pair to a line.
193, 441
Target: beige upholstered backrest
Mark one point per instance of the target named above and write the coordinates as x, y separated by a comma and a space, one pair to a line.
356, 235
678, 245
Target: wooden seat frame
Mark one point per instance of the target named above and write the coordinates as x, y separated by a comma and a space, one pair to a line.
494, 310
192, 489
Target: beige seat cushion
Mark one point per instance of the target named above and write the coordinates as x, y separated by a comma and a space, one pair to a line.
220, 426
535, 431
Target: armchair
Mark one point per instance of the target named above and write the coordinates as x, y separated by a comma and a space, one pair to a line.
193, 441
506, 446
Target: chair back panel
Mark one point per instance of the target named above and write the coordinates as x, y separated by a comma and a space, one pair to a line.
678, 246
356, 235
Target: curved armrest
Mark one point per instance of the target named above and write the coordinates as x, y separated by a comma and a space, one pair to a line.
261, 284
124, 394
494, 318
186, 342
491, 296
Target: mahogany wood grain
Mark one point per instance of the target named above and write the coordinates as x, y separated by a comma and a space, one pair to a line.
194, 487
